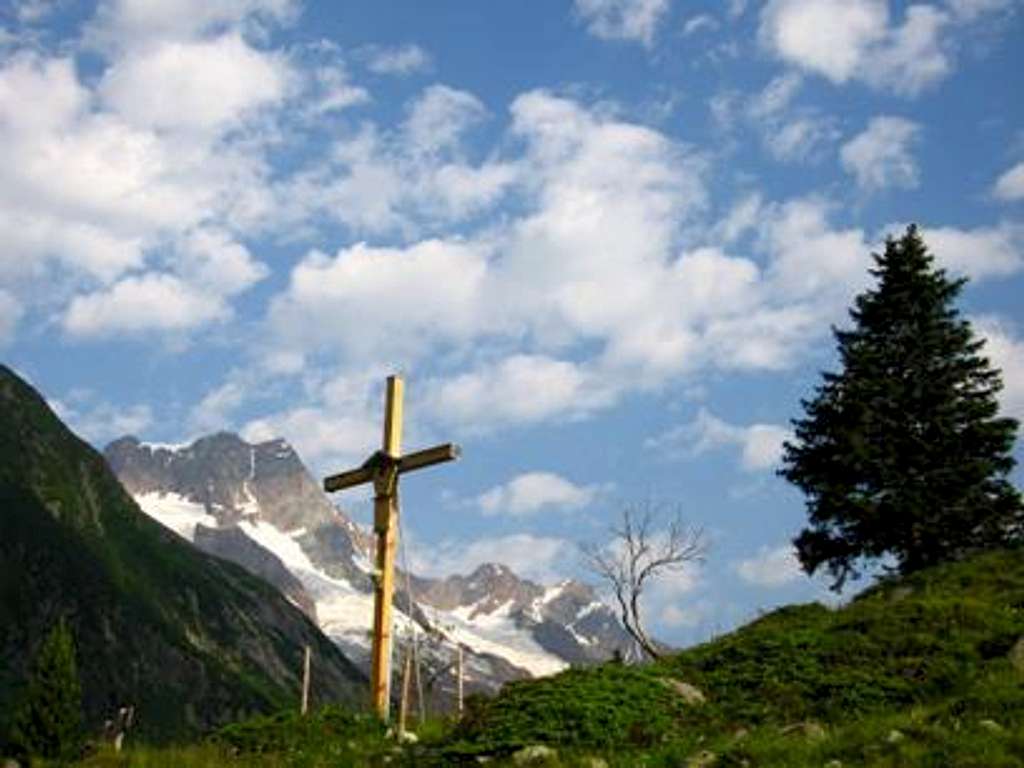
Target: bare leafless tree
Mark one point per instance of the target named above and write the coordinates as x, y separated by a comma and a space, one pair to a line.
639, 553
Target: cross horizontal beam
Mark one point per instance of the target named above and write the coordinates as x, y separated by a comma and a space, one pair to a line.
417, 460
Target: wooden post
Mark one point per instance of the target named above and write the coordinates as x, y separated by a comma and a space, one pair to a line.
385, 511
458, 675
305, 681
383, 469
403, 705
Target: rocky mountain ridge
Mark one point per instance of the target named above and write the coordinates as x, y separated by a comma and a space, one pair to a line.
220, 487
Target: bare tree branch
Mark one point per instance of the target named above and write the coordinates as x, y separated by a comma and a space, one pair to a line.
637, 554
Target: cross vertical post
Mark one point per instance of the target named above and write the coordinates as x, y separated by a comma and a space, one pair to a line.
383, 469
385, 512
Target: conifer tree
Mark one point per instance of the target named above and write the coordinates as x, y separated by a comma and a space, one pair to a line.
902, 454
48, 719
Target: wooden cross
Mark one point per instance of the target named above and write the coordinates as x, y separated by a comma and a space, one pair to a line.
383, 469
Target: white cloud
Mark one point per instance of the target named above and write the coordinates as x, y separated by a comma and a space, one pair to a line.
211, 258
397, 60
880, 156
517, 324
1005, 350
214, 411
531, 492
666, 600
142, 304
86, 197
810, 260
771, 567
335, 90
32, 11
827, 36
541, 558
10, 314
439, 117
622, 19
776, 97
969, 10
801, 138
790, 133
760, 444
120, 23
520, 389
337, 426
204, 84
360, 287
1010, 185
700, 23
846, 40
743, 217
99, 421
325, 438
981, 253
409, 180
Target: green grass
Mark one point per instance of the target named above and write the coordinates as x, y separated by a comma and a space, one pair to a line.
934, 644
905, 675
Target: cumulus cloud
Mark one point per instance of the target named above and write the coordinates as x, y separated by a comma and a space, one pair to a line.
790, 132
771, 567
541, 558
981, 253
810, 258
800, 138
520, 389
412, 179
215, 410
440, 115
120, 23
99, 421
880, 156
517, 323
846, 40
141, 304
760, 445
1010, 185
1005, 350
395, 60
332, 90
108, 185
360, 285
531, 492
204, 84
635, 20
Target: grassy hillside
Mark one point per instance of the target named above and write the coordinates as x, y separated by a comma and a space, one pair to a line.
930, 657
190, 640
920, 671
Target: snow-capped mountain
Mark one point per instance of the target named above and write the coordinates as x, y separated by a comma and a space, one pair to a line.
256, 504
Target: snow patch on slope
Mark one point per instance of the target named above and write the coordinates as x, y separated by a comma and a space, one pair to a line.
496, 632
344, 613
176, 512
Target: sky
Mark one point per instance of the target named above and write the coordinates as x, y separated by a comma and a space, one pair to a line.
603, 240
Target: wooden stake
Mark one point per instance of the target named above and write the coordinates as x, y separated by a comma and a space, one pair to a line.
403, 705
458, 674
305, 681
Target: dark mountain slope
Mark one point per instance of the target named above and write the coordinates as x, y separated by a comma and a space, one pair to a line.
190, 640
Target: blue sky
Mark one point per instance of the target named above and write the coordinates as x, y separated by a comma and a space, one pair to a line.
603, 239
